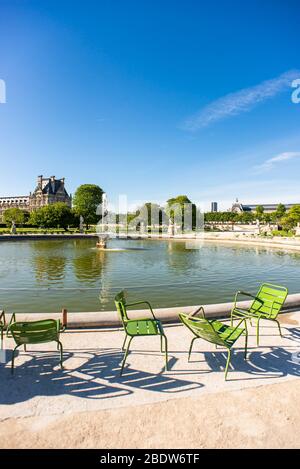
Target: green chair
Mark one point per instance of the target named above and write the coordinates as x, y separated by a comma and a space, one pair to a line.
139, 327
215, 332
267, 304
2, 326
35, 332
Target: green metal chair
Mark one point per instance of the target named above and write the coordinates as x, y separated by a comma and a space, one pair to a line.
35, 332
139, 327
266, 305
215, 332
2, 326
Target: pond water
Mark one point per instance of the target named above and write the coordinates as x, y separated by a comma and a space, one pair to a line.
46, 275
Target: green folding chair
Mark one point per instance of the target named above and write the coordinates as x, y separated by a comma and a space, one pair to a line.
215, 332
35, 332
139, 327
266, 305
2, 326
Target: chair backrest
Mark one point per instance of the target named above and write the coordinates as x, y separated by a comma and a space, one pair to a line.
34, 332
120, 302
272, 298
201, 327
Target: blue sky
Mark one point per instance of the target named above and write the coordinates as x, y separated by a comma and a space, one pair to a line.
152, 98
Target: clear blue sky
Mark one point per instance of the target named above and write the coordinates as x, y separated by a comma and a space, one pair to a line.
152, 98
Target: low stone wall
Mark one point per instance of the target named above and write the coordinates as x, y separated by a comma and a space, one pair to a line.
166, 315
30, 237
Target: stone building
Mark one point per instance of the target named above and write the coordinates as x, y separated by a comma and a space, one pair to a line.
48, 191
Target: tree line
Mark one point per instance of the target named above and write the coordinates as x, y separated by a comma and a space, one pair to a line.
88, 197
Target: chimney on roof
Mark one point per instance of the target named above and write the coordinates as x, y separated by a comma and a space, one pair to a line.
52, 181
39, 181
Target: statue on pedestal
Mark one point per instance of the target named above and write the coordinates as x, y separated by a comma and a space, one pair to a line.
13, 229
81, 221
171, 227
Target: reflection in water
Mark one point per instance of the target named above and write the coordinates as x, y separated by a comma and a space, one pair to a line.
48, 262
74, 274
49, 270
88, 265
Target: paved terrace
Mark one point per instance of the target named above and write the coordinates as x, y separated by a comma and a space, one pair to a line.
89, 404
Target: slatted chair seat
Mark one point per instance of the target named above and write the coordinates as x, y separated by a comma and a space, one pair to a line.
227, 333
143, 327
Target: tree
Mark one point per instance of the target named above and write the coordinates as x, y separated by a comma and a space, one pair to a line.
181, 209
292, 217
279, 213
245, 217
15, 214
57, 215
221, 217
259, 212
86, 200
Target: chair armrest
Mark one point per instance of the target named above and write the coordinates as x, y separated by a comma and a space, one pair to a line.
2, 319
240, 292
141, 303
194, 314
59, 326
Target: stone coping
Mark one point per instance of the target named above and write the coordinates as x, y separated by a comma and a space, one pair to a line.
34, 236
110, 319
227, 237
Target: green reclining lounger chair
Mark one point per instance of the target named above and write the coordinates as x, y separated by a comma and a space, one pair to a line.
139, 327
267, 304
215, 332
35, 332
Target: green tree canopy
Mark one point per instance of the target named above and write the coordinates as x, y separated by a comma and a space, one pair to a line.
279, 213
86, 200
245, 217
220, 217
57, 215
15, 214
182, 210
292, 217
259, 212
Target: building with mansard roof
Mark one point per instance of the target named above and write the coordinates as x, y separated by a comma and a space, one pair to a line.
268, 208
48, 191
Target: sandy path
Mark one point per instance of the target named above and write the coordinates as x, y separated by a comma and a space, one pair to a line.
265, 416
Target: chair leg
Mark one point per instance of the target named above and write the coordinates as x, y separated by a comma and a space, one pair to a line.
166, 349
123, 346
125, 355
191, 346
161, 343
227, 363
278, 324
257, 331
246, 344
25, 348
13, 359
59, 344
